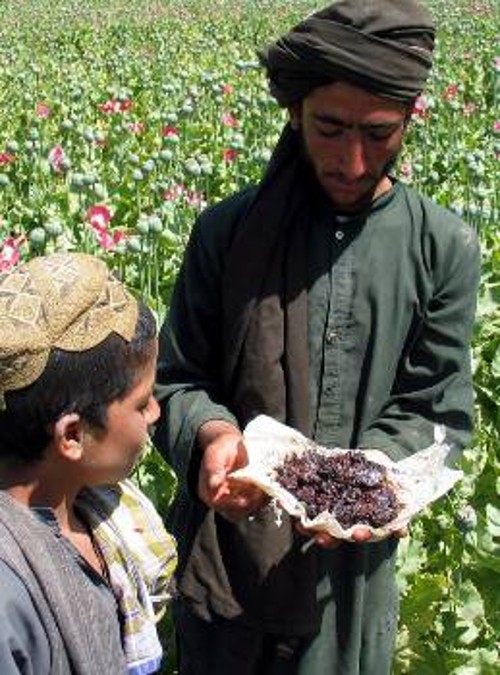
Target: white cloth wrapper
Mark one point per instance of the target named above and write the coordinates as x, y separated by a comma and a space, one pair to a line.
418, 479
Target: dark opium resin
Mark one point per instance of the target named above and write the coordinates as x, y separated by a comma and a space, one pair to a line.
347, 485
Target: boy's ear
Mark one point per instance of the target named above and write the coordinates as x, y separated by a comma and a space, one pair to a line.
68, 436
295, 114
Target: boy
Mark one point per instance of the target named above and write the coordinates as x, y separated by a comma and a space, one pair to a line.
77, 368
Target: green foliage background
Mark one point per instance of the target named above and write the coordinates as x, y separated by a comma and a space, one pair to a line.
192, 122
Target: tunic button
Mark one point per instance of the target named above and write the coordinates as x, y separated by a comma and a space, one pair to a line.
339, 235
331, 336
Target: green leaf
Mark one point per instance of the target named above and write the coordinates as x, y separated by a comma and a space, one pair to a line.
486, 304
495, 364
420, 604
412, 555
470, 612
488, 549
478, 662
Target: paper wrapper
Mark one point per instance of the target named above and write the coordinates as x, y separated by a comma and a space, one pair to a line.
418, 480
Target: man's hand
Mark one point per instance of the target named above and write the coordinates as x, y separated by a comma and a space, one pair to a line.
223, 451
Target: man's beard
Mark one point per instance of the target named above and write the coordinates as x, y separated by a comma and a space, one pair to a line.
368, 197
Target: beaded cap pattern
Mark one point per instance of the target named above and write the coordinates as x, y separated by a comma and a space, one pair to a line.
69, 301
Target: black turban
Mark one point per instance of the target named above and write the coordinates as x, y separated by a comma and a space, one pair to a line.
382, 46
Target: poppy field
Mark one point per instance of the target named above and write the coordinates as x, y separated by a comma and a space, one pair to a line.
121, 120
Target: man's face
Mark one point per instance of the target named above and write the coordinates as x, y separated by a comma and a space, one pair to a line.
351, 137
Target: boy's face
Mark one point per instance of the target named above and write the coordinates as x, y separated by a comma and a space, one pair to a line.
110, 455
351, 138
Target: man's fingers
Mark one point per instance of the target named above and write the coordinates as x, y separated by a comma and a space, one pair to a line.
361, 534
325, 541
216, 481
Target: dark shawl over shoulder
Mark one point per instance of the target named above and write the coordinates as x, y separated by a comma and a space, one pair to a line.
265, 309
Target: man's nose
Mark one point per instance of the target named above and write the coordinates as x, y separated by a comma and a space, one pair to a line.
353, 156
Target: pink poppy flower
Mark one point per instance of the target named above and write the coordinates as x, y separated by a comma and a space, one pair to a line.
229, 155
227, 88
6, 158
406, 170
99, 217
469, 108
110, 107
196, 200
174, 193
137, 127
420, 107
113, 106
56, 157
109, 240
42, 110
10, 253
229, 120
170, 132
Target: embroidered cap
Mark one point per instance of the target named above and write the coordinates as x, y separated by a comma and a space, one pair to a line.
68, 301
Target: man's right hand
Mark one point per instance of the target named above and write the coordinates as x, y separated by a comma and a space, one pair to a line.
223, 451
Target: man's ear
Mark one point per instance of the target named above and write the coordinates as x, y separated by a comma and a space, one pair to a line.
295, 113
68, 436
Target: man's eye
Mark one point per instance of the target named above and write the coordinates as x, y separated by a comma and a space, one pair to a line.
380, 134
330, 132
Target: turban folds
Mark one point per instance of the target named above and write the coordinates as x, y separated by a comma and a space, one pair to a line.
382, 46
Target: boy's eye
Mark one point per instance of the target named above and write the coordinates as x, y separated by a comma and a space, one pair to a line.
144, 404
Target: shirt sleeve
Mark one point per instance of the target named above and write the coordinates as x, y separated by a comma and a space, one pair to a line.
433, 385
24, 646
190, 356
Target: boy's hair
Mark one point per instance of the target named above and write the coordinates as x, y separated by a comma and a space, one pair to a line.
81, 382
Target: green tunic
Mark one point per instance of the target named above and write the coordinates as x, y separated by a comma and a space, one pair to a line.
391, 298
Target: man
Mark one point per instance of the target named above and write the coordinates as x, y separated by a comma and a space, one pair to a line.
337, 300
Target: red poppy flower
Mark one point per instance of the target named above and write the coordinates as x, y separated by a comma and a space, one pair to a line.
169, 132
6, 158
229, 155
451, 92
